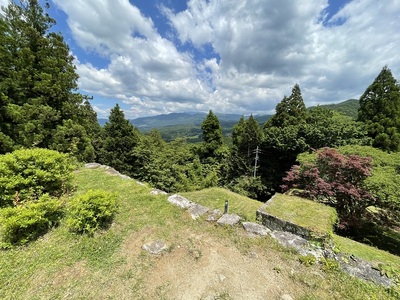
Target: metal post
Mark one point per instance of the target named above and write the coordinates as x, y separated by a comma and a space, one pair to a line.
226, 207
255, 163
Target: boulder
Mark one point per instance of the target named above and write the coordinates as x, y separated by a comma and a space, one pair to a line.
214, 215
92, 165
112, 171
180, 201
229, 219
256, 229
157, 192
156, 247
197, 210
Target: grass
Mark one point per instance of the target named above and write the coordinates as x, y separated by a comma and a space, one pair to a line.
111, 264
309, 214
371, 254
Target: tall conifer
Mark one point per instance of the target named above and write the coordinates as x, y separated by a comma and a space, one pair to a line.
380, 110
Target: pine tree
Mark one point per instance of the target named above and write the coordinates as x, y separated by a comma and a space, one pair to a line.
380, 110
290, 111
212, 134
39, 82
120, 139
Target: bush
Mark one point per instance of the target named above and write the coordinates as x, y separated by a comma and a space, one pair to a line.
91, 211
26, 222
27, 174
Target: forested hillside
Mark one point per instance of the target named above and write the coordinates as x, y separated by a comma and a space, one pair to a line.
346, 155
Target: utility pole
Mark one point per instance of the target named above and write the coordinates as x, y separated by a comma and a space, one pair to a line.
257, 151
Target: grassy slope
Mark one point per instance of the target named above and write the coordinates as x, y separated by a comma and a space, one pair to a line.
111, 265
312, 215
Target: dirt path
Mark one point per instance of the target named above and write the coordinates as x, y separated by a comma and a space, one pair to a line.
204, 268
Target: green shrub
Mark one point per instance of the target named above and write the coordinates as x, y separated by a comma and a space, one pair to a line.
308, 260
29, 173
26, 222
91, 211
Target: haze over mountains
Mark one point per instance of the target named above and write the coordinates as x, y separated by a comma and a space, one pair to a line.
348, 107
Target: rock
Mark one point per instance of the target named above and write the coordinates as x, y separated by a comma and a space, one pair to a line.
156, 247
214, 215
360, 268
112, 171
180, 201
125, 177
92, 165
229, 219
286, 297
197, 210
257, 229
140, 183
157, 192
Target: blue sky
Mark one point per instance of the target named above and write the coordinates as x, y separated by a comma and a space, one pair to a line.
232, 56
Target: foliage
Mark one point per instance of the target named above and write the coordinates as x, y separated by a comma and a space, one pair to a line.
247, 135
380, 110
336, 179
27, 174
383, 183
72, 138
248, 186
348, 108
212, 135
91, 211
173, 166
308, 260
290, 111
119, 140
26, 222
38, 82
327, 128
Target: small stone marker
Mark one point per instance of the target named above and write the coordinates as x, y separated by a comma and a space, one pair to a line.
197, 210
156, 247
229, 219
257, 229
180, 201
92, 165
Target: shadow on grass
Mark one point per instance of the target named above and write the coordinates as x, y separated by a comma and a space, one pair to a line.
376, 236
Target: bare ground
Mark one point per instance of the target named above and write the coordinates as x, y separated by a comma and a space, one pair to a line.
203, 267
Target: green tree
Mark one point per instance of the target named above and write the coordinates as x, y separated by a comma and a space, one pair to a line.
212, 135
38, 82
120, 139
290, 111
328, 128
336, 179
380, 110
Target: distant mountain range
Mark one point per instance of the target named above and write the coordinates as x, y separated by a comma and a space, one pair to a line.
187, 125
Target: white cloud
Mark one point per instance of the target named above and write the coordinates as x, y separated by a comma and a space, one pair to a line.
143, 65
263, 48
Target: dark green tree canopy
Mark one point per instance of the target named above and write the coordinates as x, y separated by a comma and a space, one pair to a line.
380, 110
212, 134
290, 111
38, 81
119, 140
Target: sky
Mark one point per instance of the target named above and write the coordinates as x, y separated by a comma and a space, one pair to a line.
230, 56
